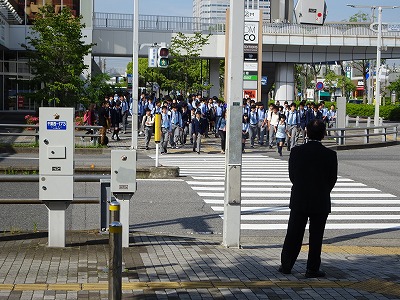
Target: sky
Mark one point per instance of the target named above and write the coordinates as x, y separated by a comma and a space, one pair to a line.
337, 11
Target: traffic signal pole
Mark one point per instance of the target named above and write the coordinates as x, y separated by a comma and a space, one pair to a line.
135, 74
234, 98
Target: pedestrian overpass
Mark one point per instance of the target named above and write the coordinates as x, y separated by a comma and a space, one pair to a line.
282, 42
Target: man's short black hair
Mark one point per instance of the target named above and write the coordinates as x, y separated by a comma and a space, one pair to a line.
316, 130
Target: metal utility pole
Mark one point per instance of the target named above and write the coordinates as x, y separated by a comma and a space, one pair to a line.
378, 69
233, 160
135, 74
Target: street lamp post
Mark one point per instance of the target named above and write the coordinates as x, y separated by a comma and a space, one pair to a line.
378, 55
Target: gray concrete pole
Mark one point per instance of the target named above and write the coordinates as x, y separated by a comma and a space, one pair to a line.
135, 74
378, 70
233, 162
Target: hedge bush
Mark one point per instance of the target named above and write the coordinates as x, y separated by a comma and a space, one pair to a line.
388, 112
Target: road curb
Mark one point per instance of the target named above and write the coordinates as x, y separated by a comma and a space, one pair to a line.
141, 172
363, 146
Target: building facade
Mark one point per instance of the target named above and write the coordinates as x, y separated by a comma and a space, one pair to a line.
214, 11
15, 74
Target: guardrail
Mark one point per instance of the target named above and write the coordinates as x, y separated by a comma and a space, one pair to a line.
341, 134
35, 131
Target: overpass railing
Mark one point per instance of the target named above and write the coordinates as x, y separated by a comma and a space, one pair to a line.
158, 23
217, 25
329, 29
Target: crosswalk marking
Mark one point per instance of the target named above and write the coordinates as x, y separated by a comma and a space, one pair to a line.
266, 191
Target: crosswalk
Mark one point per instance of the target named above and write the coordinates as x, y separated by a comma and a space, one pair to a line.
266, 192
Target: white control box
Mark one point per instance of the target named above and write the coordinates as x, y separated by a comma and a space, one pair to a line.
310, 12
56, 153
123, 171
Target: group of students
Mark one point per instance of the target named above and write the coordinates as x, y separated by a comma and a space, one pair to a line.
185, 121
182, 121
113, 112
281, 125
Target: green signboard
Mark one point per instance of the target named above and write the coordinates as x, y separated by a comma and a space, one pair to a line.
250, 77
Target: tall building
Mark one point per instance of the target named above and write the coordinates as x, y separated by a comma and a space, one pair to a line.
15, 74
213, 11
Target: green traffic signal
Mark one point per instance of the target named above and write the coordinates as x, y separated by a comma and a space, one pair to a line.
163, 62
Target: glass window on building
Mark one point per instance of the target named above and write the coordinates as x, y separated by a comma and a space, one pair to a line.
29, 8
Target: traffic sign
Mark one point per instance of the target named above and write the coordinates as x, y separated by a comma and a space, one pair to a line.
319, 86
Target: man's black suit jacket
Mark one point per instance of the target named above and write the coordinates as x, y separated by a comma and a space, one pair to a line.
313, 173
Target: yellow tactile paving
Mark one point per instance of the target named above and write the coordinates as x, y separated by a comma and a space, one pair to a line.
30, 287
63, 287
134, 285
358, 250
6, 287
372, 285
197, 285
164, 285
94, 286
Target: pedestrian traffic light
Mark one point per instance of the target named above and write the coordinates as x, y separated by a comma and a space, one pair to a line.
163, 59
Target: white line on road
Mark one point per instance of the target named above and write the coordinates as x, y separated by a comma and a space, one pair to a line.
286, 202
330, 218
287, 195
328, 226
334, 209
279, 189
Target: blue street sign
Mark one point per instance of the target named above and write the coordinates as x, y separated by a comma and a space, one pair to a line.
56, 125
264, 80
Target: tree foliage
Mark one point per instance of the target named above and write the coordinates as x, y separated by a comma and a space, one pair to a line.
185, 51
96, 88
186, 71
359, 17
56, 50
395, 87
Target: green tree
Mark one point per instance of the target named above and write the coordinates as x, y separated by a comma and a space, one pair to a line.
359, 17
395, 87
96, 88
185, 65
361, 66
56, 51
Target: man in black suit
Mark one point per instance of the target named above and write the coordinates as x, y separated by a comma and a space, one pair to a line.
309, 202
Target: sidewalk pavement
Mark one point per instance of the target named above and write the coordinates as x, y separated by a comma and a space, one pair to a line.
198, 267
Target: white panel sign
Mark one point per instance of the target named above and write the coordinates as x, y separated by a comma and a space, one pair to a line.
250, 85
250, 33
153, 51
250, 66
252, 15
310, 93
393, 27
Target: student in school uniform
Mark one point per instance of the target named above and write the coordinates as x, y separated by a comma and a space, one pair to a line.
253, 123
245, 130
166, 129
262, 123
281, 133
199, 126
273, 120
176, 125
147, 125
293, 123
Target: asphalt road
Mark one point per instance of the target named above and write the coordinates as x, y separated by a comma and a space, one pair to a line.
173, 207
